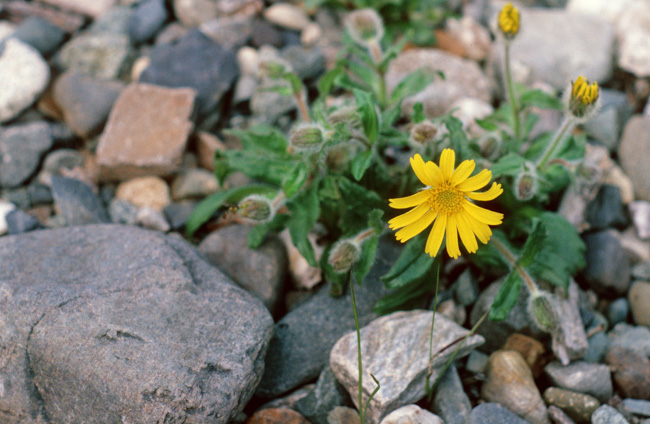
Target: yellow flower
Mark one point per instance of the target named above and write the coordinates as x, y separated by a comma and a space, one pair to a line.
582, 102
509, 20
446, 200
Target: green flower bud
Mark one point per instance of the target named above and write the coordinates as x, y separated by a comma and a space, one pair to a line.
542, 311
256, 209
343, 255
348, 115
365, 26
307, 137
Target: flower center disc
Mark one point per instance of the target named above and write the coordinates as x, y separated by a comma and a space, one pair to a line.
446, 200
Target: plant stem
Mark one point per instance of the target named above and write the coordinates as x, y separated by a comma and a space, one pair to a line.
427, 389
458, 348
512, 260
511, 93
302, 106
362, 414
557, 137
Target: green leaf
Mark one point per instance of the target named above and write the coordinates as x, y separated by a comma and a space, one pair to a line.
506, 297
369, 118
375, 220
406, 297
418, 113
295, 179
561, 255
208, 206
488, 257
365, 74
360, 164
294, 81
368, 254
487, 124
390, 115
305, 210
267, 168
284, 90
327, 81
511, 164
329, 189
412, 84
533, 244
540, 99
410, 253
258, 233
457, 135
416, 270
261, 138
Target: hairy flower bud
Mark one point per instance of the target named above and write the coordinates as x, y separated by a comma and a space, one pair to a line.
509, 21
348, 115
256, 209
343, 255
542, 311
526, 185
423, 133
581, 99
307, 137
365, 26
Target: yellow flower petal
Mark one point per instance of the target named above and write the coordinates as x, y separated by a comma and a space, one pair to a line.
409, 201
436, 235
452, 237
491, 194
419, 168
447, 162
482, 214
434, 172
466, 234
463, 171
481, 229
416, 228
409, 217
476, 182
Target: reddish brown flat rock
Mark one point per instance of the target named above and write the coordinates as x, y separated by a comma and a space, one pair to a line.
277, 416
146, 133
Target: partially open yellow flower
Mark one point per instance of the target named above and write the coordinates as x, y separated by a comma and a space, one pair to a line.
583, 100
446, 200
509, 20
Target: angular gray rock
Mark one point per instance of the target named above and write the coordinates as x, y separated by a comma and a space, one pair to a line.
491, 413
608, 266
260, 271
21, 149
293, 358
556, 47
607, 415
395, 349
450, 401
326, 395
582, 377
40, 33
77, 202
633, 148
102, 55
411, 414
117, 324
24, 74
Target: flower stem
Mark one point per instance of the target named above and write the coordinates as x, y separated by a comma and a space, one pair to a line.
511, 94
362, 414
302, 106
458, 348
512, 260
567, 124
427, 389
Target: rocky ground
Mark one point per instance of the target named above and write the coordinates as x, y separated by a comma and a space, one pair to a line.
110, 113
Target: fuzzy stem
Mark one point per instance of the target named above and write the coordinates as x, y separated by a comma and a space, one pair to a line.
302, 106
511, 93
364, 235
427, 389
512, 260
567, 124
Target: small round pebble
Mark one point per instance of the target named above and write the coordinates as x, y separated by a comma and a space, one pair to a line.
578, 406
639, 296
618, 311
607, 415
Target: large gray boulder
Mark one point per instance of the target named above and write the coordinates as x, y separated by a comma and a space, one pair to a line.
114, 324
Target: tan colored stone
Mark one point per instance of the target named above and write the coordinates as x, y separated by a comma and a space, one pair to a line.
287, 15
206, 146
510, 382
633, 150
530, 349
94, 8
639, 297
146, 132
276, 416
151, 192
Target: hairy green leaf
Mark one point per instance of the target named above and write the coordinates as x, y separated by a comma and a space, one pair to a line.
540, 99
506, 297
368, 112
368, 254
305, 210
412, 84
533, 244
360, 164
